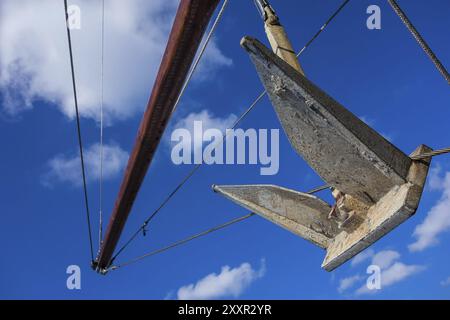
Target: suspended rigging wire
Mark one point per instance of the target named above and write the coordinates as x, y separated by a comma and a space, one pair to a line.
80, 140
246, 112
423, 44
100, 214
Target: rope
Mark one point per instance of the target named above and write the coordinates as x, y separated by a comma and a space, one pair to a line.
243, 115
199, 235
80, 141
100, 217
420, 40
431, 154
200, 55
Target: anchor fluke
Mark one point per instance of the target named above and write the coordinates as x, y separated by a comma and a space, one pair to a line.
303, 214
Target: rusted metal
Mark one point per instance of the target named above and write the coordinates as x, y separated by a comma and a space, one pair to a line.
188, 28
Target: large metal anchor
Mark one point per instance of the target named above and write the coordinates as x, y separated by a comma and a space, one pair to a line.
376, 186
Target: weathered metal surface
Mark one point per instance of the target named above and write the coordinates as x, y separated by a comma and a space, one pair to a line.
187, 31
300, 213
342, 149
395, 207
307, 215
377, 187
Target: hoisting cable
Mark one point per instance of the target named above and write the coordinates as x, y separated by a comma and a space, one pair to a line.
423, 44
243, 115
80, 141
200, 54
197, 235
100, 214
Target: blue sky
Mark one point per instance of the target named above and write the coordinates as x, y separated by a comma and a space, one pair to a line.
380, 75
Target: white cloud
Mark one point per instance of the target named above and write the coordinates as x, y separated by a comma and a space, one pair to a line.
208, 120
169, 295
385, 258
347, 283
229, 282
367, 120
398, 272
371, 123
392, 275
212, 58
392, 270
446, 282
387, 136
362, 256
34, 62
63, 168
435, 180
437, 220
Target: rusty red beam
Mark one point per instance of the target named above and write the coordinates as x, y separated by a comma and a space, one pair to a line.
190, 23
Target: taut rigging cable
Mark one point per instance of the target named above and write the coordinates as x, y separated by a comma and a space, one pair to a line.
100, 214
80, 140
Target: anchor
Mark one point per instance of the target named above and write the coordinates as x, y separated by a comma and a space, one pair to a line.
375, 185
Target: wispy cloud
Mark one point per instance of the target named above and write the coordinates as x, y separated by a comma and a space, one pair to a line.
212, 58
169, 295
392, 271
371, 123
229, 282
446, 282
384, 259
361, 257
347, 283
34, 60
437, 219
392, 275
435, 180
67, 168
208, 120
